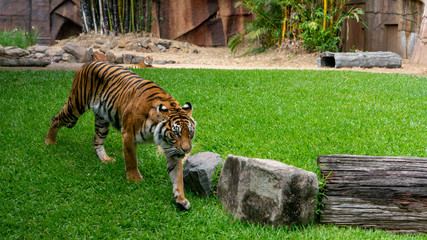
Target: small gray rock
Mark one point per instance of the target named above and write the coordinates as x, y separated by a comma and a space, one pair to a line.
66, 57
137, 59
99, 41
52, 52
119, 58
15, 52
127, 58
160, 62
152, 47
56, 59
199, 170
39, 55
113, 44
110, 56
166, 44
161, 48
41, 48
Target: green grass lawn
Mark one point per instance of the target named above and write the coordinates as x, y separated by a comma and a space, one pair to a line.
65, 191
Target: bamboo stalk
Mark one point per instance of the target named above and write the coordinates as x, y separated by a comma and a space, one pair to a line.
285, 18
88, 15
132, 16
106, 14
83, 13
126, 15
147, 14
101, 18
325, 6
93, 17
120, 7
115, 20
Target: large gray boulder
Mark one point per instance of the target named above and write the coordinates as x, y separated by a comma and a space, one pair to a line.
78, 51
199, 171
267, 191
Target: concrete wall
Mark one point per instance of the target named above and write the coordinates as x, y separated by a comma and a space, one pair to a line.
52, 18
393, 25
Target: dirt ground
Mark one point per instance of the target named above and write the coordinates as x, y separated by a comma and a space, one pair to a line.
222, 58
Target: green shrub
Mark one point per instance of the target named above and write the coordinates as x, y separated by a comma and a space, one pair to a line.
316, 24
19, 38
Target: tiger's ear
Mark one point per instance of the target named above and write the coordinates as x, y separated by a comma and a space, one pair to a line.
162, 109
188, 108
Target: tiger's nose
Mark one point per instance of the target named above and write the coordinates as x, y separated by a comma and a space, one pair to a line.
186, 148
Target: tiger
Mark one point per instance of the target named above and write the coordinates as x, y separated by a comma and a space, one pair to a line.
140, 109
147, 62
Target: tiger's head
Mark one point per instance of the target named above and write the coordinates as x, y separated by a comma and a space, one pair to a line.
176, 130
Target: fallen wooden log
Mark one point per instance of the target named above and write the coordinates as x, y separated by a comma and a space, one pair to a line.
361, 59
380, 192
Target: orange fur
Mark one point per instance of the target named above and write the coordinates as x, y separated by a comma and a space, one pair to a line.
147, 62
139, 108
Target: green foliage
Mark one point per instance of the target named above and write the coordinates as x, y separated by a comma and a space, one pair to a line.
321, 195
66, 192
318, 28
215, 178
19, 38
315, 38
263, 32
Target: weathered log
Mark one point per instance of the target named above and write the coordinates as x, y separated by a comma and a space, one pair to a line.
380, 192
362, 59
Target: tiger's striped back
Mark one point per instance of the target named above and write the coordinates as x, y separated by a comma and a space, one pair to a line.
106, 89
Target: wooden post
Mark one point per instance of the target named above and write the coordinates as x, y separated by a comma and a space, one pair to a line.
379, 192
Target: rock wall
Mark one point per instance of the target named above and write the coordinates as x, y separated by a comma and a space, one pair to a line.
123, 49
201, 22
420, 49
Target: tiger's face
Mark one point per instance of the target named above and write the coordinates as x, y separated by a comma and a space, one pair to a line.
148, 60
175, 133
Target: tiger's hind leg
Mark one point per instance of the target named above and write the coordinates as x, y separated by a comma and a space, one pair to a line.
64, 118
102, 127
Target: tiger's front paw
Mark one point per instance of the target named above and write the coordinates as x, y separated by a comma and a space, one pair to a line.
133, 175
183, 204
107, 159
50, 141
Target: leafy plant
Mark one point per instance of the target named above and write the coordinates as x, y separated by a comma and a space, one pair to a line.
321, 195
19, 38
327, 38
316, 23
